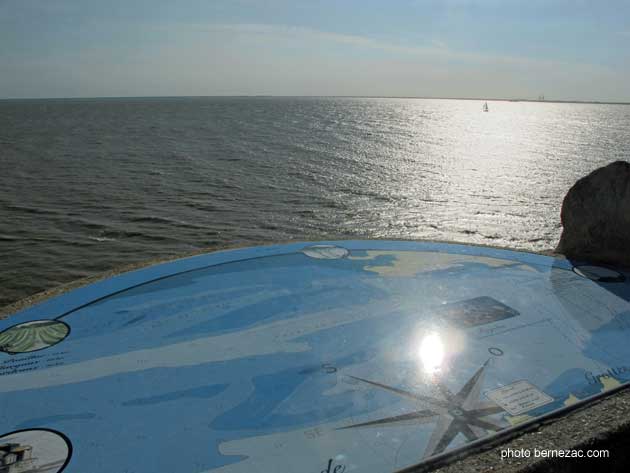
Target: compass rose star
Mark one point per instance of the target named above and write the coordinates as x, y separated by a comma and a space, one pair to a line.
457, 413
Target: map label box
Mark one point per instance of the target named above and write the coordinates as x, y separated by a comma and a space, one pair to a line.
519, 397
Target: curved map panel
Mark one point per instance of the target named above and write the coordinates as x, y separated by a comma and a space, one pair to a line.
366, 356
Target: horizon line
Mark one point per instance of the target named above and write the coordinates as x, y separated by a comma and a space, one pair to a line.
415, 97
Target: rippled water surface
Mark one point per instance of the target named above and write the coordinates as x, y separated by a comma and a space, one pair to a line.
88, 185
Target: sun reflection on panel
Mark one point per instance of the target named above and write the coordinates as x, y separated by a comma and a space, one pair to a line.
431, 353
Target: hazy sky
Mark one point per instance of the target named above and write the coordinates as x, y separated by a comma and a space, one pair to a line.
460, 48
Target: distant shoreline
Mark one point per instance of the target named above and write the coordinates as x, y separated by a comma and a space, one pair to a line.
478, 99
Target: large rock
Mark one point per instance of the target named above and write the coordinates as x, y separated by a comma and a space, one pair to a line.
596, 217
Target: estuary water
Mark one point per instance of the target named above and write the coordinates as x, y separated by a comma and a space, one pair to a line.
88, 185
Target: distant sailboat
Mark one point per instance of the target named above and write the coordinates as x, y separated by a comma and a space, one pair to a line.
485, 107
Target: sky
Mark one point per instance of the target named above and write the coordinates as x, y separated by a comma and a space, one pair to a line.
566, 50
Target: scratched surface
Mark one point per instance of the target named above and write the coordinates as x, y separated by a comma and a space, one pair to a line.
363, 356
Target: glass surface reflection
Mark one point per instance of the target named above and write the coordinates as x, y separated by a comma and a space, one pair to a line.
431, 353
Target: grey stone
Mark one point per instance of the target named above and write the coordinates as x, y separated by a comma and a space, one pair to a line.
596, 217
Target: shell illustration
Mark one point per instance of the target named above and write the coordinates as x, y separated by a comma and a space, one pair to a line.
325, 252
32, 336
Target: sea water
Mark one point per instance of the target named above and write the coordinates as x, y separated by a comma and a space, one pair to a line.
92, 184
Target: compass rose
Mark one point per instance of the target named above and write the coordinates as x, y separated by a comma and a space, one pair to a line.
461, 413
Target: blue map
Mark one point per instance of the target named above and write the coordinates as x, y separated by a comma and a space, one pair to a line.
366, 356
